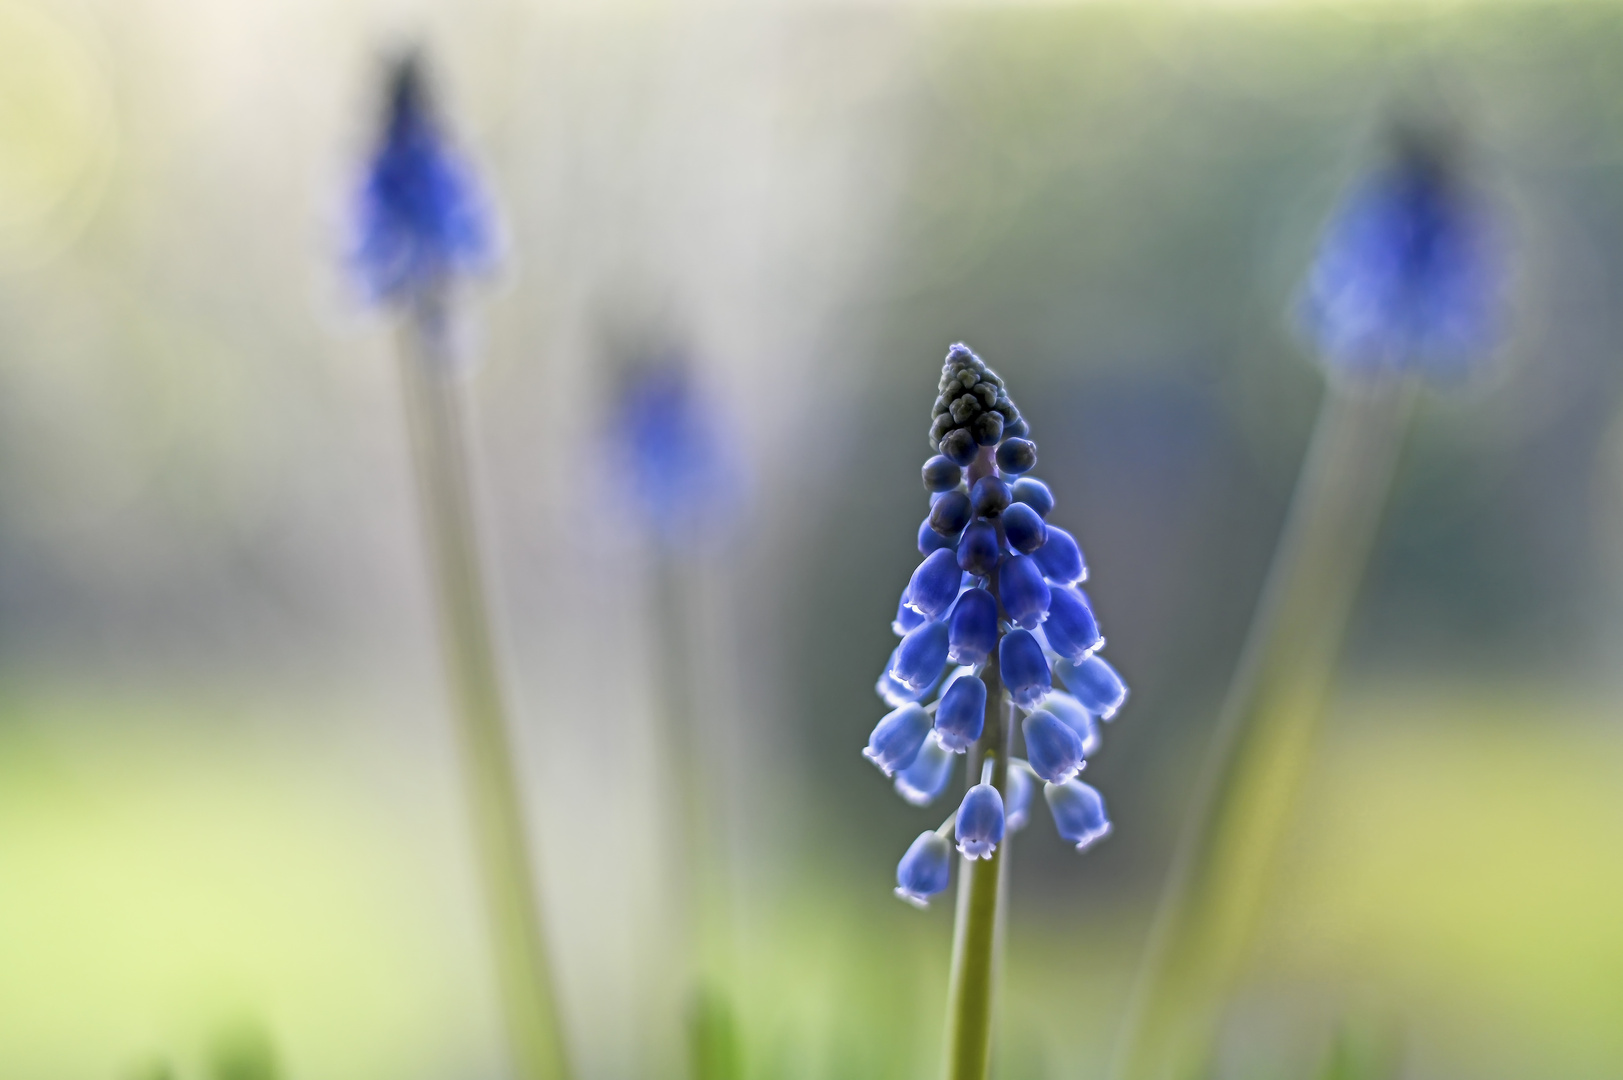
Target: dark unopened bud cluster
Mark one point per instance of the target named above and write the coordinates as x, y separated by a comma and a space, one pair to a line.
971, 408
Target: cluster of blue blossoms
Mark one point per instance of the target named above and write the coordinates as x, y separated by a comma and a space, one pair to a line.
420, 216
998, 585
1409, 276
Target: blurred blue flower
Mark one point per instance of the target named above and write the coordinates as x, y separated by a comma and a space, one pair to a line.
994, 571
1408, 276
897, 738
1079, 812
924, 870
420, 216
925, 779
673, 449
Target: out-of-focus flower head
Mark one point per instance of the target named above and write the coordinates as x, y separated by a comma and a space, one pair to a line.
997, 581
420, 218
674, 451
1409, 276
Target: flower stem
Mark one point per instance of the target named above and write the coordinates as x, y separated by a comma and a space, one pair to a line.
975, 932
434, 408
1264, 735
712, 1041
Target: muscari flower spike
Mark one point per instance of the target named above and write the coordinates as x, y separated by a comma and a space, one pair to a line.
1409, 276
671, 442
997, 579
420, 218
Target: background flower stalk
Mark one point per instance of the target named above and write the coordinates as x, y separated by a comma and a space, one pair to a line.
1405, 287
422, 223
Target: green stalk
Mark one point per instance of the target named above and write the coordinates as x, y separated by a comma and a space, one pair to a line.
976, 927
1264, 737
434, 408
712, 1042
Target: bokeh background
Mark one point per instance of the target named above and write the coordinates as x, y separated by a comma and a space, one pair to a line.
229, 805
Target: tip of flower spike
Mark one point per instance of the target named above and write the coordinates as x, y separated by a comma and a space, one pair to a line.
972, 408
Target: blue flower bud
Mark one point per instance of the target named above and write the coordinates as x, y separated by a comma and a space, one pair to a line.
897, 738
1096, 685
906, 618
973, 628
931, 541
1054, 750
1017, 456
979, 550
980, 822
1071, 629
1024, 668
923, 780
1079, 812
1024, 528
1024, 593
1016, 429
919, 659
1060, 558
1075, 717
934, 585
950, 513
1017, 800
990, 496
962, 714
1034, 493
942, 474
925, 869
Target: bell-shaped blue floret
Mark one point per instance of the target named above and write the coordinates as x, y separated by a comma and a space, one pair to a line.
930, 540
980, 822
1077, 718
923, 780
973, 628
1034, 493
979, 551
1024, 593
1060, 558
1024, 528
897, 738
1024, 668
934, 585
1054, 750
1017, 797
925, 869
892, 692
918, 660
1095, 684
1079, 812
1071, 629
906, 618
961, 715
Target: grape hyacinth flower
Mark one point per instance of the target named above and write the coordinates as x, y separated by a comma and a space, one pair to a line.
1409, 276
994, 594
420, 225
1406, 288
